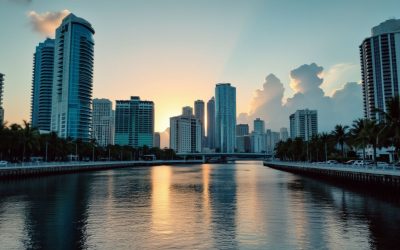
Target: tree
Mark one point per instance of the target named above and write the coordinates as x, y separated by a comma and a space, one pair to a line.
340, 135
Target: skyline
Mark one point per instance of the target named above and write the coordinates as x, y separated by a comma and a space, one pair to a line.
220, 43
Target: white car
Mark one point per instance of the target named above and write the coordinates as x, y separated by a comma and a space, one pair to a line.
3, 163
382, 164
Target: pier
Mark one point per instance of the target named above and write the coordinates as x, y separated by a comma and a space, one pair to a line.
48, 168
370, 175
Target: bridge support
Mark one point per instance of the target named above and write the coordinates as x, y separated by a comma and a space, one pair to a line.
204, 159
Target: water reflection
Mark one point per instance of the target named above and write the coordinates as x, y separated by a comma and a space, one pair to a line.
223, 206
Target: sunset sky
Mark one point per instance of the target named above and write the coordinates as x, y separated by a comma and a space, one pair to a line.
174, 52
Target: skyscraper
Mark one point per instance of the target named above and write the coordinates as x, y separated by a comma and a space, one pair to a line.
225, 117
284, 134
199, 114
211, 123
304, 124
380, 67
157, 140
71, 114
134, 122
259, 126
242, 129
42, 85
1, 98
185, 133
187, 110
103, 122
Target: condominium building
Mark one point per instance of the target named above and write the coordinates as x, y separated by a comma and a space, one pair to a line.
271, 139
199, 114
185, 133
103, 122
380, 67
1, 98
211, 123
284, 134
42, 85
157, 140
304, 124
225, 117
242, 129
134, 122
259, 126
71, 114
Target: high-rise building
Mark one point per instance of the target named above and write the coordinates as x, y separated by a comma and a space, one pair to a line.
211, 123
242, 129
380, 67
1, 98
199, 114
257, 141
225, 117
134, 122
103, 122
304, 124
259, 126
185, 133
157, 140
71, 114
243, 144
271, 139
42, 85
284, 134
187, 110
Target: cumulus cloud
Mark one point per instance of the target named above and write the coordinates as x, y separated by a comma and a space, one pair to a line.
343, 107
47, 22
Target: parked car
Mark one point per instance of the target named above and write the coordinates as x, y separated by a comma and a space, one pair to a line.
331, 162
3, 163
351, 162
382, 164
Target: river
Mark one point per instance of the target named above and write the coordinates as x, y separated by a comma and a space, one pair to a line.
241, 205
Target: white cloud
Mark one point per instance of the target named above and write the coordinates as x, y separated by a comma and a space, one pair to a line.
337, 74
47, 22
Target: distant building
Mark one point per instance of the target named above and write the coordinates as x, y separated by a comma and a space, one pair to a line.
134, 122
271, 139
243, 144
185, 133
211, 123
103, 122
225, 117
42, 85
304, 124
71, 114
199, 114
187, 110
257, 141
242, 129
157, 140
259, 126
380, 67
284, 134
1, 98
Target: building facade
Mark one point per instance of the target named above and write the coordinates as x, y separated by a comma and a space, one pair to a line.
199, 113
71, 114
225, 117
211, 123
103, 122
1, 98
284, 134
259, 126
380, 67
185, 134
304, 124
134, 122
157, 140
42, 85
271, 139
242, 129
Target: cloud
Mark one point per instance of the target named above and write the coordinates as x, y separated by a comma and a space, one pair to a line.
46, 23
337, 74
343, 107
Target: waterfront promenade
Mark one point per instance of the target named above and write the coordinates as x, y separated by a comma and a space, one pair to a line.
43, 168
368, 174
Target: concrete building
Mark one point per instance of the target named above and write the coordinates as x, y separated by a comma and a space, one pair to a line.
187, 111
259, 126
257, 141
380, 67
225, 117
243, 144
42, 85
211, 123
71, 114
1, 98
199, 114
103, 122
242, 129
157, 140
271, 139
185, 133
134, 122
284, 134
304, 124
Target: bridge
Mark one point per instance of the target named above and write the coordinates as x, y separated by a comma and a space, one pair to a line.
207, 157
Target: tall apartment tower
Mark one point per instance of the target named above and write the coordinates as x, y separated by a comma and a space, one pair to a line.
304, 124
211, 123
225, 117
242, 129
1, 99
103, 122
71, 114
134, 122
284, 134
380, 67
185, 134
259, 126
42, 85
199, 114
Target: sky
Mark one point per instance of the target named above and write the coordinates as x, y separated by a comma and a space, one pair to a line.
280, 55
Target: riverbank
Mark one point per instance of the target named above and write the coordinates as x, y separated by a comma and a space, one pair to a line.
383, 177
40, 169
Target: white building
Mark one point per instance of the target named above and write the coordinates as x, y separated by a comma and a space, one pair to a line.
103, 122
304, 124
185, 133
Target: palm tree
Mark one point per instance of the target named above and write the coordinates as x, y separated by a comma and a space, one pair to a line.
340, 134
30, 138
324, 137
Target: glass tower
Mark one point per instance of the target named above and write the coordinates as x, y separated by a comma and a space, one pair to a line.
73, 79
211, 123
225, 117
